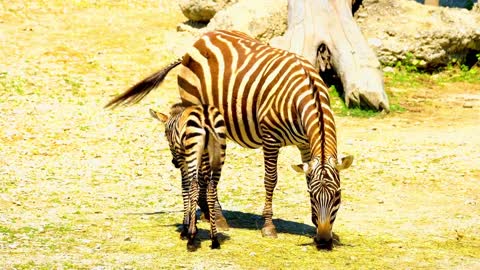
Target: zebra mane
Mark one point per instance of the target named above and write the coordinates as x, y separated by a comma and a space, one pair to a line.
315, 84
177, 108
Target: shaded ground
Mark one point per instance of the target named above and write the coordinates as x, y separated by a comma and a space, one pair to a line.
82, 187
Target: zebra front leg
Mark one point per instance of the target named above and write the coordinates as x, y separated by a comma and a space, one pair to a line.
211, 199
270, 158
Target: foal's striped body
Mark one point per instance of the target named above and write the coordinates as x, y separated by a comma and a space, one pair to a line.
196, 136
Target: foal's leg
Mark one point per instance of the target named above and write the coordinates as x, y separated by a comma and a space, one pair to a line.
185, 188
208, 176
211, 199
192, 227
204, 178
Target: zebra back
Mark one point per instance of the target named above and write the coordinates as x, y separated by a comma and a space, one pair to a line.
259, 89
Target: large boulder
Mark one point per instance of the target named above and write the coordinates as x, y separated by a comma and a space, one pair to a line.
202, 10
424, 36
397, 30
476, 7
262, 19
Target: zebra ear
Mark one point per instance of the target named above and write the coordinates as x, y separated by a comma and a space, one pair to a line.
301, 168
344, 163
159, 116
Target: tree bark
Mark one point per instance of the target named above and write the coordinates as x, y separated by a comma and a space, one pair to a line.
325, 32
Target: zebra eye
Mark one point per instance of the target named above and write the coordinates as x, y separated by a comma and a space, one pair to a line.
338, 193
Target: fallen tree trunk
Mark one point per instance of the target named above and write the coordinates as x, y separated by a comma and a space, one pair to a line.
325, 33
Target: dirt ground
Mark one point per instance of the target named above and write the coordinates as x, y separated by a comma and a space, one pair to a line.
82, 187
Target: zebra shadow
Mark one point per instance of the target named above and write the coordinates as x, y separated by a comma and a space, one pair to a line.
241, 220
249, 221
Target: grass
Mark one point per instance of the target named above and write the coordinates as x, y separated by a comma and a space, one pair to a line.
86, 188
407, 77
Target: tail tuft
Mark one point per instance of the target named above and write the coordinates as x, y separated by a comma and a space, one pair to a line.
137, 92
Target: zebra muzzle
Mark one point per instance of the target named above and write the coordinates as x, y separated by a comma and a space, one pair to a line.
324, 238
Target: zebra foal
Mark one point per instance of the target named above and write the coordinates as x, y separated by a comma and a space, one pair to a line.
269, 98
196, 137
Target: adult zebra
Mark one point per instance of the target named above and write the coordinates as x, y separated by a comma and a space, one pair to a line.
269, 98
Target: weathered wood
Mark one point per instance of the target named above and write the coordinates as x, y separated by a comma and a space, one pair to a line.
325, 33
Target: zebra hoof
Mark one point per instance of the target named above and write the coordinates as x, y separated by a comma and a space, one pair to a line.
191, 246
215, 244
269, 231
183, 234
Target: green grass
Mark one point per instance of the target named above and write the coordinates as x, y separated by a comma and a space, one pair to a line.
408, 78
12, 84
341, 109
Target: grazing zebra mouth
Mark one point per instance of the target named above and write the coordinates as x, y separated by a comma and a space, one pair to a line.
323, 244
175, 163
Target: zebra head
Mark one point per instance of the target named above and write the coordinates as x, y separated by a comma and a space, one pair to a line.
169, 127
323, 182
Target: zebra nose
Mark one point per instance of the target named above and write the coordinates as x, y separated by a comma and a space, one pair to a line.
322, 243
175, 163
323, 239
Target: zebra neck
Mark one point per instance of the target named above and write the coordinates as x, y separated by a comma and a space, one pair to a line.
319, 125
323, 143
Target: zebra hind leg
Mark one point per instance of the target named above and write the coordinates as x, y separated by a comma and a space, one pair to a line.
211, 199
221, 221
192, 226
185, 199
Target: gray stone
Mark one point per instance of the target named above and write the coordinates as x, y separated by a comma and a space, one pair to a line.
430, 36
397, 30
202, 10
262, 19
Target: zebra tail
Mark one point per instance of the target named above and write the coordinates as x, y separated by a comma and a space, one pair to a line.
137, 92
214, 148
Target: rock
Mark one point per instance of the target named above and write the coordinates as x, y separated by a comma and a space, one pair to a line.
202, 10
263, 19
397, 30
427, 37
374, 42
388, 70
476, 7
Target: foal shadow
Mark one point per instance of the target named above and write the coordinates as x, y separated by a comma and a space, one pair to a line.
203, 235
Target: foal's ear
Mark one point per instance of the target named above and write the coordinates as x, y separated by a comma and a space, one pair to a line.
301, 168
159, 116
344, 162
